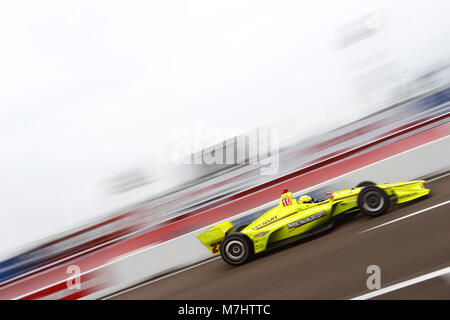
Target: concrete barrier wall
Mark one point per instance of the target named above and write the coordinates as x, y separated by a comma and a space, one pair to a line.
147, 263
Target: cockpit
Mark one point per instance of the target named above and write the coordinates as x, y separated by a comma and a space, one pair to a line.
287, 199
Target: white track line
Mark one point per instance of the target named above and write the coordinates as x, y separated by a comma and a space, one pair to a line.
407, 216
437, 178
403, 284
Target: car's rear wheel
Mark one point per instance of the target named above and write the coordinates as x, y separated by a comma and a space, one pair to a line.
373, 201
365, 184
236, 249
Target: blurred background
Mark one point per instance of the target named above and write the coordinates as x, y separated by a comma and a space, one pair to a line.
100, 101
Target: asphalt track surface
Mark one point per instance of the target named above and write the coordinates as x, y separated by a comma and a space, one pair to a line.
333, 265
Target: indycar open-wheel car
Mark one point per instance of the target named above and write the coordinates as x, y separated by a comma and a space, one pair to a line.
295, 219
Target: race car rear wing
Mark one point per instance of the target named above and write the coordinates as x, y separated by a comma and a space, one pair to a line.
213, 237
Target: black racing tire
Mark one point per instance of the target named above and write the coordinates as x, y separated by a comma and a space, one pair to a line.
373, 201
236, 249
365, 184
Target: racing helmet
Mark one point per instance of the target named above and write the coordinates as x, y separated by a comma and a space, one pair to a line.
305, 199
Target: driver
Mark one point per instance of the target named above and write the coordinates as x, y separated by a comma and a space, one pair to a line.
305, 199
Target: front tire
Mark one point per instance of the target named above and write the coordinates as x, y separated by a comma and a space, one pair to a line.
236, 249
373, 201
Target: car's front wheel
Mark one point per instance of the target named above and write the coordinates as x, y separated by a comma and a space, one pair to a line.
236, 249
373, 201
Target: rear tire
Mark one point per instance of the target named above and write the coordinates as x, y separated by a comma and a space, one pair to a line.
365, 184
373, 201
236, 249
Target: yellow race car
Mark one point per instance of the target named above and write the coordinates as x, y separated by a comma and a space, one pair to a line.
296, 219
